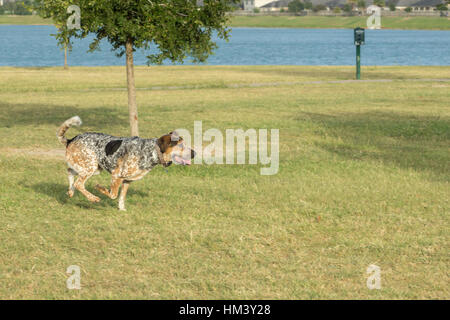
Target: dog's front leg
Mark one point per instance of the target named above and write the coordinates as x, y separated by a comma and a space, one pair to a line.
123, 194
114, 192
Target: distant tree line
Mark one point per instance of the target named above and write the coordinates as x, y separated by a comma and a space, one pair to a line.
20, 8
443, 6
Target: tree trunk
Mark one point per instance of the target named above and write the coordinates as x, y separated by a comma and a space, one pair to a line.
65, 58
132, 106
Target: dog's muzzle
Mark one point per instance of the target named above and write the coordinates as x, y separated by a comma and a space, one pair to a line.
185, 160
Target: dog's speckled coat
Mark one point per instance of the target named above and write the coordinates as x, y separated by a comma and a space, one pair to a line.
109, 149
127, 159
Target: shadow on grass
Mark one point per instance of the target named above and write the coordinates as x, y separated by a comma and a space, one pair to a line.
58, 191
314, 74
336, 73
403, 140
39, 114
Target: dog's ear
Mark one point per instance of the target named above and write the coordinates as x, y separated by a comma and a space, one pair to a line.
166, 141
163, 143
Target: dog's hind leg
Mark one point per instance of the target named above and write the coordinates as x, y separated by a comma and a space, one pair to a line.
83, 161
79, 185
71, 175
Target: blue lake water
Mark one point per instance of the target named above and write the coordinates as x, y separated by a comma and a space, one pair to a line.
34, 46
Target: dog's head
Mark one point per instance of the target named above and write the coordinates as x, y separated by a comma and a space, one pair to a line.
173, 149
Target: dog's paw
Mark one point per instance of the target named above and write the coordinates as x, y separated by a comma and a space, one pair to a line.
102, 190
70, 193
94, 199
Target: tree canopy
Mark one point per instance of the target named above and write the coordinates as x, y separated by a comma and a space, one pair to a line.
176, 28
295, 6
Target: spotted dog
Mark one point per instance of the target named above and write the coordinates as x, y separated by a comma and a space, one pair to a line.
126, 158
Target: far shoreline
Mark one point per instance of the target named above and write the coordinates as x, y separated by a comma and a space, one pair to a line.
289, 22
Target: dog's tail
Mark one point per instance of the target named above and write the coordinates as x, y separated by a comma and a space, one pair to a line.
60, 134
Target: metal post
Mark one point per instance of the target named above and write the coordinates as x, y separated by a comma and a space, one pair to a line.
358, 62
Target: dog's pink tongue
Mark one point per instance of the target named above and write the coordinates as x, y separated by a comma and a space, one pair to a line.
183, 161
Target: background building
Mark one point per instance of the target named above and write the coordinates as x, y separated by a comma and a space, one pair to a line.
249, 5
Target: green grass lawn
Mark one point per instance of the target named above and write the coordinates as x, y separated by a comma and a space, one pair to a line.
24, 20
363, 179
420, 23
